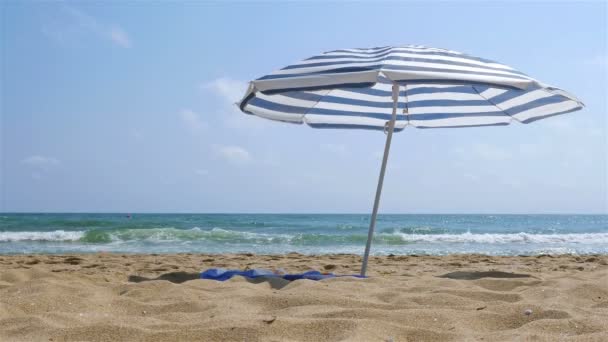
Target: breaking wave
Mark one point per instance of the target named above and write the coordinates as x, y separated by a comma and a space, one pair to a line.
57, 235
226, 236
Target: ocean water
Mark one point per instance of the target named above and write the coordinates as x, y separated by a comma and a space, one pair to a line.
303, 233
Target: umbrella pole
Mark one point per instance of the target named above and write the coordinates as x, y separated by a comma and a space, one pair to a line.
387, 147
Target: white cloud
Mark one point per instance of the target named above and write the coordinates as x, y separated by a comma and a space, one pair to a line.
192, 120
228, 92
229, 89
120, 37
233, 154
71, 22
40, 161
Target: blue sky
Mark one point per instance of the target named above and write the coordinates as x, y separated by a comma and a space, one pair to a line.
126, 107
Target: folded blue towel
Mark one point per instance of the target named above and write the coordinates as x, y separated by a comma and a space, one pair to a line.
222, 274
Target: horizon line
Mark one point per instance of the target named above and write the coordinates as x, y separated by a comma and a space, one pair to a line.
300, 213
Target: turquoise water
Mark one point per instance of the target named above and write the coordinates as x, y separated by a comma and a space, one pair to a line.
303, 233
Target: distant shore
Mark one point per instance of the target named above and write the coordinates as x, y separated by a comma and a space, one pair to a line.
158, 297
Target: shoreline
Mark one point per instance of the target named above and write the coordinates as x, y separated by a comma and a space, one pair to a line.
158, 297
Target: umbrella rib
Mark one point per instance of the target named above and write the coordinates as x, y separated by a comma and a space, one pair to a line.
493, 104
313, 106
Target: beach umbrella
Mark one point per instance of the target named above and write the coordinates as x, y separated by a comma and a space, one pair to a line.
390, 88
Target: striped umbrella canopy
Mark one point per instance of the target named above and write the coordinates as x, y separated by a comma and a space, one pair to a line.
390, 88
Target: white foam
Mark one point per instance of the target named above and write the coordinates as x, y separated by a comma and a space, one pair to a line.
583, 238
57, 235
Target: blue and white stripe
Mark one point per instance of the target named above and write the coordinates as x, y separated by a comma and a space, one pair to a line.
438, 88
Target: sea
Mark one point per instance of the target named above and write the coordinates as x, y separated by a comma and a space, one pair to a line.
302, 233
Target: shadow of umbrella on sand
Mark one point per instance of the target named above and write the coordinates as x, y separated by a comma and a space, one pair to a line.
389, 88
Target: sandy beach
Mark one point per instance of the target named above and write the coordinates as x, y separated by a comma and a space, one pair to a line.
115, 297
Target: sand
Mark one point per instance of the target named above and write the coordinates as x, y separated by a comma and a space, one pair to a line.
114, 297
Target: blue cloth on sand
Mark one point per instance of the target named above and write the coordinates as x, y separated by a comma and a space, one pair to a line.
222, 274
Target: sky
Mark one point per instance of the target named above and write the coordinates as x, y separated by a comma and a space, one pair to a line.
129, 107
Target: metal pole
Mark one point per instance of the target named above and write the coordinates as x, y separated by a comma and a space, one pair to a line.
387, 147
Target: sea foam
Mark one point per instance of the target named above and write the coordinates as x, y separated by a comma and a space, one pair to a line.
226, 236
487, 238
57, 235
